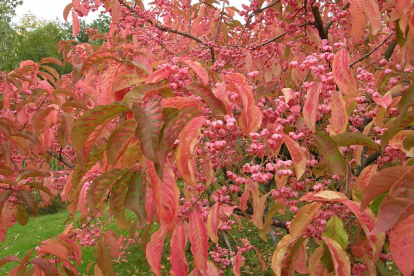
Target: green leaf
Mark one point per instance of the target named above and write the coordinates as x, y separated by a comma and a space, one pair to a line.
354, 138
138, 93
203, 91
408, 142
135, 197
30, 200
376, 203
396, 126
406, 100
336, 231
329, 150
118, 194
148, 127
21, 215
119, 140
88, 127
101, 184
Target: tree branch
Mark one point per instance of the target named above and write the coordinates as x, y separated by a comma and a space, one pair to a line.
60, 159
251, 16
219, 23
277, 37
319, 23
372, 51
330, 22
169, 30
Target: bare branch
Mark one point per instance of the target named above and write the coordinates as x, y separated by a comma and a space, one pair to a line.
60, 159
251, 16
219, 23
330, 22
319, 23
372, 51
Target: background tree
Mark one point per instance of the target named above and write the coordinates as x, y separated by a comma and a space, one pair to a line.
8, 36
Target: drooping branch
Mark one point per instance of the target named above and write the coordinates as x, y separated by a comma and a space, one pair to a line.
61, 159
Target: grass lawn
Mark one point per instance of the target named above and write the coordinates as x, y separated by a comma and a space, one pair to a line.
21, 239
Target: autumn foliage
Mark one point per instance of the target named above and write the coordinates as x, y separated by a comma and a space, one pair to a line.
198, 117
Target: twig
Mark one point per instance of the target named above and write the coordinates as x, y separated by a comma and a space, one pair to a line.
219, 23
60, 159
226, 240
330, 22
251, 16
372, 51
277, 37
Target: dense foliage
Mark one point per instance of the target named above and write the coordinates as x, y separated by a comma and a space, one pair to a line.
195, 120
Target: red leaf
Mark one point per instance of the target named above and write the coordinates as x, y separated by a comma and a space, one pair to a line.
166, 196
101, 184
297, 154
402, 245
215, 104
148, 127
197, 68
238, 263
154, 251
103, 257
198, 239
339, 115
316, 268
75, 24
340, 259
310, 108
186, 149
54, 249
283, 259
116, 11
398, 203
259, 205
7, 259
171, 129
87, 128
21, 215
363, 180
118, 195
30, 200
251, 116
178, 258
119, 140
303, 218
44, 265
396, 126
341, 72
213, 222
179, 103
135, 197
358, 19
373, 15
383, 181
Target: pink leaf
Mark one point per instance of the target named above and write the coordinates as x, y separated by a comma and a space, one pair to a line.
310, 108
198, 239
